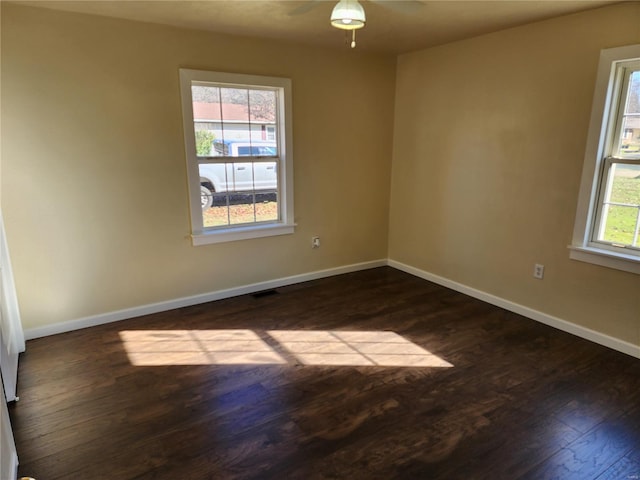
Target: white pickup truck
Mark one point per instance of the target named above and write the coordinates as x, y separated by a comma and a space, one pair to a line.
238, 176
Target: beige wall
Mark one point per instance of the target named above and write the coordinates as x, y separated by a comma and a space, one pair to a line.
490, 135
93, 170
487, 155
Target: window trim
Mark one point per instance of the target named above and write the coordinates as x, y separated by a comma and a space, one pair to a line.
285, 225
599, 143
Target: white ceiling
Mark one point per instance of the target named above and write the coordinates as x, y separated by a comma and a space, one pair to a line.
393, 26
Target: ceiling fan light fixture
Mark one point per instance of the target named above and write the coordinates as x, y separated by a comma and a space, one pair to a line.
348, 15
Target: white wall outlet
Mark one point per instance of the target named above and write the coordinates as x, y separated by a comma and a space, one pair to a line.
538, 271
315, 242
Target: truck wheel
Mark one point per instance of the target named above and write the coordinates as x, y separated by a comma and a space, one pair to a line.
206, 197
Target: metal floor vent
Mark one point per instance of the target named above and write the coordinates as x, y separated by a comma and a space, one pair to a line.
265, 293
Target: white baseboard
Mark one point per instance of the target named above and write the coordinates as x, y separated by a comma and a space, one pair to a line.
118, 315
565, 326
572, 328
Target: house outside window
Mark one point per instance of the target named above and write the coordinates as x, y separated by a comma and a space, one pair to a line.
240, 177
607, 229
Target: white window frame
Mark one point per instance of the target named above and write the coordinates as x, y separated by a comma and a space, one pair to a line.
600, 141
201, 235
270, 132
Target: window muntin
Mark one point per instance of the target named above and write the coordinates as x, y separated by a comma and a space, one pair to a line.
240, 175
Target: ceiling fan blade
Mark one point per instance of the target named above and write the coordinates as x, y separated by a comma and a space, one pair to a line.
304, 8
401, 6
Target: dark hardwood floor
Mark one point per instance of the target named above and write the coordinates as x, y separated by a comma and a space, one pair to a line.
370, 375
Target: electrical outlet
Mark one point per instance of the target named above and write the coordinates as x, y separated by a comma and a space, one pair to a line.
315, 242
538, 271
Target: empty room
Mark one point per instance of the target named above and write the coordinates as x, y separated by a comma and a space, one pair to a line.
317, 239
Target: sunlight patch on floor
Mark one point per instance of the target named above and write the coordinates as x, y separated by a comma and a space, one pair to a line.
197, 347
381, 348
248, 347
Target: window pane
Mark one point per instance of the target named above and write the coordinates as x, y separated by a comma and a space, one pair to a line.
243, 209
620, 226
240, 208
262, 106
630, 133
235, 115
267, 207
633, 98
621, 210
206, 118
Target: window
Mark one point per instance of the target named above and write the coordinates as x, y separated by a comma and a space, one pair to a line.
270, 133
240, 180
607, 229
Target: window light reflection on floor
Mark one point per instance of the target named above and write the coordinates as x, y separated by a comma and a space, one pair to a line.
381, 348
197, 347
248, 347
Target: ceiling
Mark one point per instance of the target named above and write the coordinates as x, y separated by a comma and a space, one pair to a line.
393, 26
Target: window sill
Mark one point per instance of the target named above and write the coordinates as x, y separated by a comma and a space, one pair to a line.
241, 233
606, 258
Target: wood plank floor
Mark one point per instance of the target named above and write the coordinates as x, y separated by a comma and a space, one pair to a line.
370, 375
